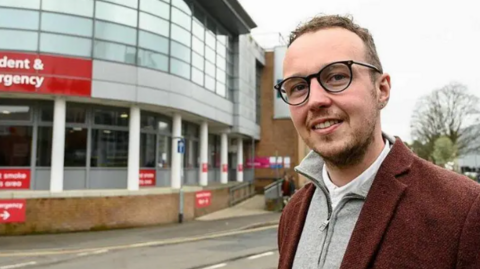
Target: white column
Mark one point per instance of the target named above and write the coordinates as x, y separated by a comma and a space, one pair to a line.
224, 158
58, 145
204, 154
134, 149
176, 176
240, 160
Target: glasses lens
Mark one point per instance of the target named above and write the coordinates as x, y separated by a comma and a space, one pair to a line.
294, 90
336, 77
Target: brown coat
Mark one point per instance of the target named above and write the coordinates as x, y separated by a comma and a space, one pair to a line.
416, 215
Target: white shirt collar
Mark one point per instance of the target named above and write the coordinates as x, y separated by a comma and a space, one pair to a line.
337, 193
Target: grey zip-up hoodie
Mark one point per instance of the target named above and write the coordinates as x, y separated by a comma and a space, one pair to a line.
326, 232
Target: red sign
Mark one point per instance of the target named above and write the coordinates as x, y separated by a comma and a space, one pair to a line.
240, 168
147, 178
14, 179
23, 72
204, 167
224, 168
12, 211
203, 198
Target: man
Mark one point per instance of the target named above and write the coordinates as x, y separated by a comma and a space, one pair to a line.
371, 202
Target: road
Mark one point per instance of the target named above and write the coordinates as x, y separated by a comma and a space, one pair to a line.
252, 249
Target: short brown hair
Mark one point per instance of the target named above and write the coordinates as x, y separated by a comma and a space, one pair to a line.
346, 22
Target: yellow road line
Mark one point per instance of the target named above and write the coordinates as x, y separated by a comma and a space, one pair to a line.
137, 245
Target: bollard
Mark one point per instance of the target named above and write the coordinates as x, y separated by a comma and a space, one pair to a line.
180, 210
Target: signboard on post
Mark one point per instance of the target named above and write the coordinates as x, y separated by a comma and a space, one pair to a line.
204, 167
203, 199
147, 178
15, 179
12, 211
181, 146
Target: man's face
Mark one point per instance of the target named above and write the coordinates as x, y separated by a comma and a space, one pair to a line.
353, 112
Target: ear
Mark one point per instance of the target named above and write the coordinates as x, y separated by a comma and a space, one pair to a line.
383, 90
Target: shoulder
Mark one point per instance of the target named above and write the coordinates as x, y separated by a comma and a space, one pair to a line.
431, 181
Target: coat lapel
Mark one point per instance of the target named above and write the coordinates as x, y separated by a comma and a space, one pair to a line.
380, 204
295, 228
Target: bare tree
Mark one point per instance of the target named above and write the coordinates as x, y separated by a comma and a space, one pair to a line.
450, 111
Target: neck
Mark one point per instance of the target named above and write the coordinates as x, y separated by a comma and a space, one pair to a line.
341, 176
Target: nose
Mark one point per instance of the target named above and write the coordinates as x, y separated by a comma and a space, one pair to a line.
319, 98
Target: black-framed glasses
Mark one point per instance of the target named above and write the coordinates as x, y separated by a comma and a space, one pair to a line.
334, 78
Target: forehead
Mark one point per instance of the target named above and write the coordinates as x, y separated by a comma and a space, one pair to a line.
312, 51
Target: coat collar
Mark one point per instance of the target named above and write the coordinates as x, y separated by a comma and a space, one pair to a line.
383, 197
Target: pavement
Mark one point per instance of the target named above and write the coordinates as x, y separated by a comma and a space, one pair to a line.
240, 235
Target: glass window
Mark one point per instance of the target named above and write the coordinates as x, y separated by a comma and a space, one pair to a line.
190, 158
197, 76
77, 7
115, 32
18, 40
115, 13
154, 24
221, 89
20, 19
210, 40
180, 68
148, 121
109, 148
128, 3
147, 150
152, 60
198, 46
65, 44
33, 4
221, 75
114, 52
221, 50
209, 69
15, 145
221, 62
164, 149
164, 126
76, 114
44, 146
111, 116
198, 30
153, 42
14, 113
75, 147
181, 35
156, 7
181, 19
209, 83
66, 24
210, 54
198, 61
180, 51
46, 114
182, 6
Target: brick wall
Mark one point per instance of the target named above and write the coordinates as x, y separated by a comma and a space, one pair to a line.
276, 135
53, 215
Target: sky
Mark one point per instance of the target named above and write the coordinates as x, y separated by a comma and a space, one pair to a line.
422, 44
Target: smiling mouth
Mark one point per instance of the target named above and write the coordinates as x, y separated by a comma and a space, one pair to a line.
326, 124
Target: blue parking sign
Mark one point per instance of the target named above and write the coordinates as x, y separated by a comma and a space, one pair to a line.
181, 146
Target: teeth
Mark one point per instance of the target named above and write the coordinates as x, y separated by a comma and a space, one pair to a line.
326, 124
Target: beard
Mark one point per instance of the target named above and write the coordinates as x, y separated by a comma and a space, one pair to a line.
353, 151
